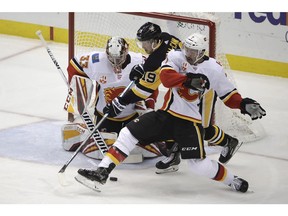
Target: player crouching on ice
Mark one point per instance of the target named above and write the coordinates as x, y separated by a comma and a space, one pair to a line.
108, 73
179, 119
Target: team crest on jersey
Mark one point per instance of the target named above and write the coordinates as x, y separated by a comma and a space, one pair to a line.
184, 66
95, 58
188, 94
103, 79
111, 93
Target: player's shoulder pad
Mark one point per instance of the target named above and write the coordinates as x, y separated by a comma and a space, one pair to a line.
211, 62
165, 36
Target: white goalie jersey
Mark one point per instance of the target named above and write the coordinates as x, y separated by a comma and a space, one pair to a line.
108, 84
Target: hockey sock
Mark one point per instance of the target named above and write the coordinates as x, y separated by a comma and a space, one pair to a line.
215, 136
125, 143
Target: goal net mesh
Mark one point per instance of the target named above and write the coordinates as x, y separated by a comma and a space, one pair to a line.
92, 30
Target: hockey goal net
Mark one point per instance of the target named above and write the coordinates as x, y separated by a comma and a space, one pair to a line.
90, 31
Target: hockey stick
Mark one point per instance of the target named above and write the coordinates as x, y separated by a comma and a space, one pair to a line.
39, 34
83, 112
62, 170
99, 141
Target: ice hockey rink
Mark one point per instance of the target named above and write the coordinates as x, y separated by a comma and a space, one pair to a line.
32, 95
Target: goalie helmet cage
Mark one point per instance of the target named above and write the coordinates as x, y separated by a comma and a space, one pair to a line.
90, 31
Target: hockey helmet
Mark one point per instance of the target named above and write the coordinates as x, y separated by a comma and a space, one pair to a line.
194, 47
117, 50
149, 31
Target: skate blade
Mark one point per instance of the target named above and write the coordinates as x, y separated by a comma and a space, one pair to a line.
62, 179
168, 170
87, 183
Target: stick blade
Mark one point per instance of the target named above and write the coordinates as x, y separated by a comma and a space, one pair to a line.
62, 179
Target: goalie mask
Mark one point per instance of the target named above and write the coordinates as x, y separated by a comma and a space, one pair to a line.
117, 51
194, 48
148, 37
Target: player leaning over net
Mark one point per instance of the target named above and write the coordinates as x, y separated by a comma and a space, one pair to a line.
110, 70
179, 119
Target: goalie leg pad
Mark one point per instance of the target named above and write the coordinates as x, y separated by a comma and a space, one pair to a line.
91, 150
73, 135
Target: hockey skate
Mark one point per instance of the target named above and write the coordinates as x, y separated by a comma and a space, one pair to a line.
169, 164
92, 178
229, 150
239, 184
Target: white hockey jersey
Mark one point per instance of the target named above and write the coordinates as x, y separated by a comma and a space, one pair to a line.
184, 102
109, 84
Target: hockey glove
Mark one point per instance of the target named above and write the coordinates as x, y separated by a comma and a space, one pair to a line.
114, 108
252, 108
197, 82
136, 73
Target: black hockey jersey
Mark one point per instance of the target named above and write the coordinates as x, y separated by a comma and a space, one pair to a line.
150, 80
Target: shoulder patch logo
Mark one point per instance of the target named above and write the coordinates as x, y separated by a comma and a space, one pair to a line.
95, 58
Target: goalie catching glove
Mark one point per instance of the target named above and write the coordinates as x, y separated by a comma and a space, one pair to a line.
252, 108
136, 73
197, 82
114, 108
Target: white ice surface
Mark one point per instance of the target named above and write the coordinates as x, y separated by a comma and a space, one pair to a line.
32, 95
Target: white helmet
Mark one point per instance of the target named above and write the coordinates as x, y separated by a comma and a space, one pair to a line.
194, 47
117, 50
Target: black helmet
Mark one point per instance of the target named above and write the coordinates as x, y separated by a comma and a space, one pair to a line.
148, 31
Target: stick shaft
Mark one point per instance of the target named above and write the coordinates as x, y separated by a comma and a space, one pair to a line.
39, 34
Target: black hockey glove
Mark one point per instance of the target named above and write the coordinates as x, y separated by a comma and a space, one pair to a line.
197, 82
114, 108
136, 73
252, 108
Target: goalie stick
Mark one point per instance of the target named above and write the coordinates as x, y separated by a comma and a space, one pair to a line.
39, 34
81, 108
94, 133
83, 111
